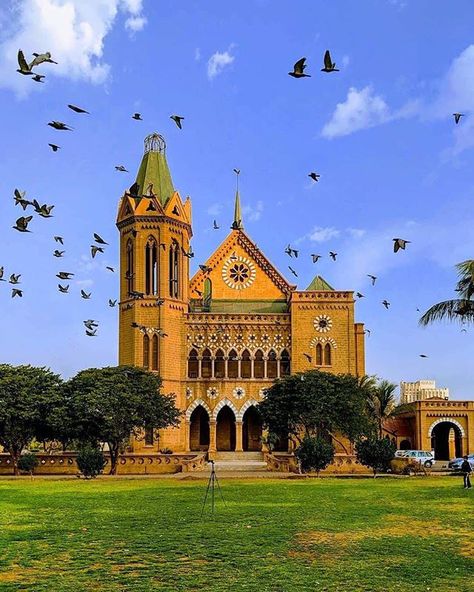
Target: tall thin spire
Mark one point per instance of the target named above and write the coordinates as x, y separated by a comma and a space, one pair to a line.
237, 224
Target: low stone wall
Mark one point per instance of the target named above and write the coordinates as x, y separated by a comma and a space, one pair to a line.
343, 464
128, 464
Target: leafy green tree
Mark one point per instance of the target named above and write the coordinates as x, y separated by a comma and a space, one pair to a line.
314, 454
110, 404
316, 403
27, 462
381, 403
27, 397
375, 453
459, 309
90, 461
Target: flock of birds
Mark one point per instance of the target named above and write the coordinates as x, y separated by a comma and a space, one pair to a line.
44, 210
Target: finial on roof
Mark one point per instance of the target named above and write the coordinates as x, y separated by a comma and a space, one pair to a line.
155, 143
237, 223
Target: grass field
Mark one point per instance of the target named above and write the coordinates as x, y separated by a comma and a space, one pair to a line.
407, 535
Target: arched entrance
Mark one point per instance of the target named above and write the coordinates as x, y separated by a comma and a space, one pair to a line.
446, 440
225, 429
405, 445
199, 429
252, 430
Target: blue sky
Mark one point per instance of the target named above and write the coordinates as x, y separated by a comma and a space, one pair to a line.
380, 132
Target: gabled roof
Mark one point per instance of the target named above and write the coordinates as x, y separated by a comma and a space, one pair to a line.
319, 284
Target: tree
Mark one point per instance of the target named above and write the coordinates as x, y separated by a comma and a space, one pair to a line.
314, 454
459, 309
27, 397
27, 463
375, 453
110, 404
381, 403
90, 461
316, 403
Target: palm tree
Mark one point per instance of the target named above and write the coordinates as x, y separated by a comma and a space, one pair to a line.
460, 309
381, 403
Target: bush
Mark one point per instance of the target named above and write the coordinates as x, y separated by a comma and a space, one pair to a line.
91, 461
375, 453
166, 451
27, 462
314, 454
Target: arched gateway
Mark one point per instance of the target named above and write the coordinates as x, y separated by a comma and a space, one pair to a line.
446, 438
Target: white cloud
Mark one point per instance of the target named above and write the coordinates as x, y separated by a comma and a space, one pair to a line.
197, 54
84, 283
72, 30
218, 61
214, 209
356, 232
322, 235
253, 213
361, 109
346, 60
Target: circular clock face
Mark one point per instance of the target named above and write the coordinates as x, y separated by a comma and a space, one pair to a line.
238, 272
322, 323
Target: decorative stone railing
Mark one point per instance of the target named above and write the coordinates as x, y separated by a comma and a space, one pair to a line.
128, 464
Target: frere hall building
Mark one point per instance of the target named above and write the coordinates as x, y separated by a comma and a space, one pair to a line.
218, 339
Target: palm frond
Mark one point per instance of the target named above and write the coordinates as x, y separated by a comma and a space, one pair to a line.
461, 310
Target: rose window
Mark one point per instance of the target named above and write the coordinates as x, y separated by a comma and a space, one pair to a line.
322, 323
238, 272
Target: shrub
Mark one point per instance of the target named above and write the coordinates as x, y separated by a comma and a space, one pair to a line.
27, 463
375, 453
166, 451
91, 461
314, 454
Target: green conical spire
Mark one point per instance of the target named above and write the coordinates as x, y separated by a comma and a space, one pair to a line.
237, 223
319, 284
154, 170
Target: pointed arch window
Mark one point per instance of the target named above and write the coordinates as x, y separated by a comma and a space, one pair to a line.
319, 354
206, 364
259, 365
149, 436
272, 364
146, 351
130, 270
154, 352
246, 365
193, 364
219, 364
207, 297
174, 268
285, 363
233, 365
151, 267
327, 355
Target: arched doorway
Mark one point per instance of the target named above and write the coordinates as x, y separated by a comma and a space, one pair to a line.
252, 430
405, 445
446, 441
225, 429
199, 429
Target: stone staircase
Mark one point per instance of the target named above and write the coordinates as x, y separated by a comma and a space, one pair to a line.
239, 461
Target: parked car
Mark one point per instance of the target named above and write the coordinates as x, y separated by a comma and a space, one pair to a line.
424, 457
456, 463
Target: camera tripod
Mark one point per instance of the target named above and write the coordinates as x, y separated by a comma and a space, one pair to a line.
212, 484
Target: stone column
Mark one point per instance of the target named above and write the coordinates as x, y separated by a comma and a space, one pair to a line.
265, 366
213, 367
238, 436
452, 444
212, 436
199, 367
226, 367
187, 443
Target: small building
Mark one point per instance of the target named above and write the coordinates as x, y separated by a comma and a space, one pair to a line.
420, 391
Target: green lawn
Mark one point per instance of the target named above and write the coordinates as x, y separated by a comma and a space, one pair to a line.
272, 535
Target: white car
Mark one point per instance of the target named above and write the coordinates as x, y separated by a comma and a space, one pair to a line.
424, 457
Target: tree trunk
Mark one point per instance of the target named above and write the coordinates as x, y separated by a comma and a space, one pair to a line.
15, 456
114, 451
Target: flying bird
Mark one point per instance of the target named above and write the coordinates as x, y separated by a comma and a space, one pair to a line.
205, 268
137, 117
95, 249
386, 304
314, 176
423, 356
315, 257
90, 324
110, 268
457, 117
85, 295
24, 67
112, 303
38, 78
368, 332
237, 171
64, 275
160, 301
289, 251
198, 292
189, 254
20, 199
359, 295
59, 125
91, 333
177, 119
136, 295
43, 210
333, 255
40, 58
78, 109
14, 279
98, 239
399, 243
2, 271
58, 253
298, 69
329, 65
121, 168
373, 278
59, 239
22, 224
215, 226
54, 147
293, 271
17, 292
63, 289
308, 357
